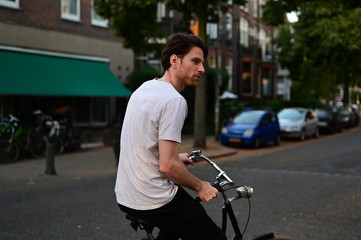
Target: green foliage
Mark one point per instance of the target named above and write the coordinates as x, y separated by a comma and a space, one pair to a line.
322, 49
135, 21
138, 77
277, 104
190, 9
189, 95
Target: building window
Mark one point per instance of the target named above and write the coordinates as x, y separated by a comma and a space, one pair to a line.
10, 3
99, 111
245, 7
96, 19
266, 82
229, 20
263, 42
246, 78
160, 11
212, 61
244, 32
266, 87
212, 30
70, 10
255, 8
90, 111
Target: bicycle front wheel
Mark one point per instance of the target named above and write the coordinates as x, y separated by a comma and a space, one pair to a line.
9, 151
37, 145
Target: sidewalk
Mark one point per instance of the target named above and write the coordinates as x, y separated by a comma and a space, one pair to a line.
92, 161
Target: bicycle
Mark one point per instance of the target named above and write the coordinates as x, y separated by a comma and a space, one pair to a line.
9, 150
223, 183
14, 138
50, 129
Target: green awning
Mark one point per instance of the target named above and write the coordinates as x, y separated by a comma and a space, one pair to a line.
25, 73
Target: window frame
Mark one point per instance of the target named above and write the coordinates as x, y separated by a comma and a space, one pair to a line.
97, 22
89, 111
244, 32
212, 30
68, 16
10, 4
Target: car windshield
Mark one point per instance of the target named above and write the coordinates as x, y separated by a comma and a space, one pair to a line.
291, 114
248, 118
322, 113
345, 112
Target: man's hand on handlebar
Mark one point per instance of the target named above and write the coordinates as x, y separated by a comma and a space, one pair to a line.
184, 157
207, 192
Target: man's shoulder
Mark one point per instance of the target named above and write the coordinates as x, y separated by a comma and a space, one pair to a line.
159, 90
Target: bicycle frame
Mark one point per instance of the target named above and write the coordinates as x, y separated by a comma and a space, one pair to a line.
222, 180
227, 211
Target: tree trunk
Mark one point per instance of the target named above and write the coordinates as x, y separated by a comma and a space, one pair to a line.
346, 86
200, 129
329, 82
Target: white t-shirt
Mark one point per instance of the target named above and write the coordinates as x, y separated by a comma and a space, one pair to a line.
155, 111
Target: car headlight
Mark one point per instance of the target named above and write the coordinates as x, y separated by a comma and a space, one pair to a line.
224, 130
248, 132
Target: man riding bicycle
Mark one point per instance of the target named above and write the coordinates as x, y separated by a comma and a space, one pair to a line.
151, 171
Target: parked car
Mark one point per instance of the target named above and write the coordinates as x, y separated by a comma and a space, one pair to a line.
348, 117
329, 120
298, 123
252, 128
356, 112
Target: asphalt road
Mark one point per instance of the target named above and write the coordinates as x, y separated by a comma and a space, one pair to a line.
308, 190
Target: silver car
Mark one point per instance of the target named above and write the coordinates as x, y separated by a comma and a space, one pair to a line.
298, 123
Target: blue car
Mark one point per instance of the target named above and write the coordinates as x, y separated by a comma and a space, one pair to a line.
252, 129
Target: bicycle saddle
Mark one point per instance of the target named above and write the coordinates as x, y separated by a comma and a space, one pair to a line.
136, 223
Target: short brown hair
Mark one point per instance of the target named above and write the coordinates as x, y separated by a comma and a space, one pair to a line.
180, 44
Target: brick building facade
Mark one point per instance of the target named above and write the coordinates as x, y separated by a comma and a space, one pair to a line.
72, 29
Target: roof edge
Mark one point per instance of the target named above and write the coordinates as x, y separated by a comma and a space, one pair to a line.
54, 54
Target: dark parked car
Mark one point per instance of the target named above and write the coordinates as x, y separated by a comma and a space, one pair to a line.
252, 128
329, 120
348, 117
356, 112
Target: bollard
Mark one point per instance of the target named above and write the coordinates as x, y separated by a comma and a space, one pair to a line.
50, 165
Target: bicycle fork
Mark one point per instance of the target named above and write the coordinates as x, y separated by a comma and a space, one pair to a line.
227, 211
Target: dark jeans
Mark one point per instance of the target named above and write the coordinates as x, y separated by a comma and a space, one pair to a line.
183, 218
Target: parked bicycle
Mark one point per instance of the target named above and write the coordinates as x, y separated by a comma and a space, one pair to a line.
69, 136
14, 137
223, 183
50, 129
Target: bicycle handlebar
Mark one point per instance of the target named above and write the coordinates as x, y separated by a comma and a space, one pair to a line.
222, 179
196, 154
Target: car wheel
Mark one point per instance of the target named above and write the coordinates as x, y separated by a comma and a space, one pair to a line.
317, 133
340, 128
303, 135
257, 143
278, 140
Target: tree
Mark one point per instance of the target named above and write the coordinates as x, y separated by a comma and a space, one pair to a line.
323, 48
135, 21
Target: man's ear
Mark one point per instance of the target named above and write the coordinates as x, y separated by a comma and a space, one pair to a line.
174, 60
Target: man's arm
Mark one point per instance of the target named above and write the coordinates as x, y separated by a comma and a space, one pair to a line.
174, 168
